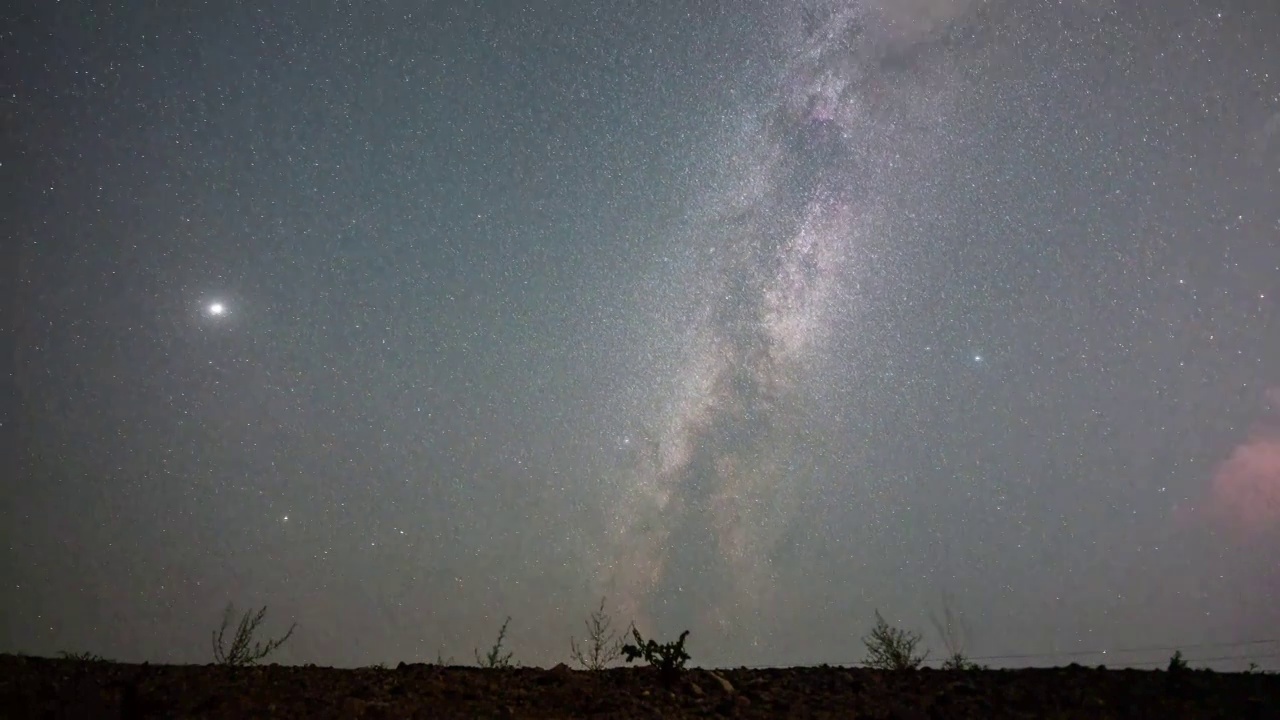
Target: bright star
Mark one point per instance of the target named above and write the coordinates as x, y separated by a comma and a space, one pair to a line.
217, 309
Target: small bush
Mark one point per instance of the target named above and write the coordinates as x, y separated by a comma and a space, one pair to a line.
244, 650
495, 658
958, 661
668, 658
954, 632
603, 646
81, 657
1177, 663
890, 648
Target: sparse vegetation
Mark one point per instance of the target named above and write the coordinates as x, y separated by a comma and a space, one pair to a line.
81, 656
44, 687
668, 658
890, 648
961, 662
244, 649
954, 632
495, 658
603, 645
665, 687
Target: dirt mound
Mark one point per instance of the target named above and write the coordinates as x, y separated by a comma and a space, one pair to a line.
48, 688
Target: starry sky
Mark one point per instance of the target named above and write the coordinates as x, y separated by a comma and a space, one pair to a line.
754, 317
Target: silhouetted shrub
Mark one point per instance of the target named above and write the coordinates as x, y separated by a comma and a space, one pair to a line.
960, 662
603, 646
81, 656
668, 658
244, 650
890, 648
495, 657
954, 632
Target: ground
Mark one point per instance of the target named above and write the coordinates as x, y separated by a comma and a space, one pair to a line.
56, 688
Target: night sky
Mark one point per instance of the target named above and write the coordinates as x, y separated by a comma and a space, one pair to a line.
754, 317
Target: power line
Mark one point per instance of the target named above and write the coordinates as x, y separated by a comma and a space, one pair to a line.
1108, 652
1117, 651
1268, 656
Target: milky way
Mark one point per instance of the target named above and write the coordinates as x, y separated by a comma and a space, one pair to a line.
716, 491
752, 317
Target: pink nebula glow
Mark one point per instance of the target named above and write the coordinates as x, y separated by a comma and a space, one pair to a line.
1244, 493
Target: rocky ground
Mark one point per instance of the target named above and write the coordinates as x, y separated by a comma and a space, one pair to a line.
49, 688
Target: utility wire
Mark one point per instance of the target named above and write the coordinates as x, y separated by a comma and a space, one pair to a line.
1268, 656
1108, 652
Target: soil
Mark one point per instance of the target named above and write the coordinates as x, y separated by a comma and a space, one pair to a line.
54, 688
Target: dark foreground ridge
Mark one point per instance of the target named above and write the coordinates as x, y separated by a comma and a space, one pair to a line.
50, 688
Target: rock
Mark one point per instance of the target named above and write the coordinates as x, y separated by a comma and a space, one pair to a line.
555, 676
724, 684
